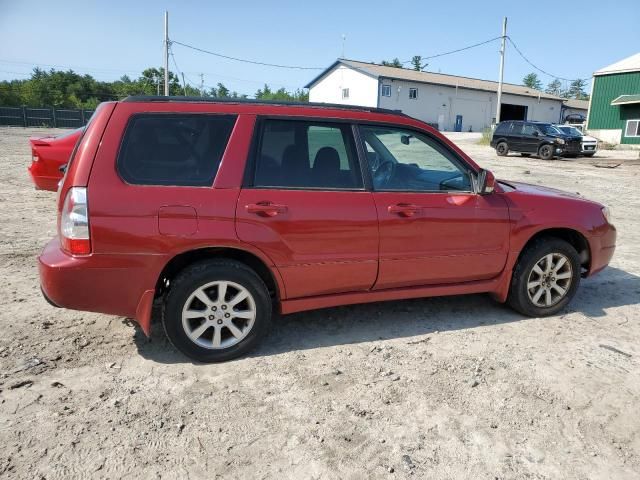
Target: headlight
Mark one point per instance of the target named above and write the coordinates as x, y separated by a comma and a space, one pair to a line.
560, 141
607, 215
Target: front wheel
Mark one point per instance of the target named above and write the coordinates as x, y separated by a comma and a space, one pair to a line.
216, 310
546, 152
545, 278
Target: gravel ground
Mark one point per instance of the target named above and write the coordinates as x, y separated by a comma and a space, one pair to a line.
456, 387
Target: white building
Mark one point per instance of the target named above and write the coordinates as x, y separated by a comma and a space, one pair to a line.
446, 101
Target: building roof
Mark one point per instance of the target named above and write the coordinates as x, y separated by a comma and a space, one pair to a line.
381, 71
626, 100
577, 104
629, 64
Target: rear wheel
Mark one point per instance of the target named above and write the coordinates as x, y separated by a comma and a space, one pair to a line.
217, 310
545, 278
546, 152
502, 149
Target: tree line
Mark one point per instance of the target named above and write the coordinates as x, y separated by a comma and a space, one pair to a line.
576, 89
68, 89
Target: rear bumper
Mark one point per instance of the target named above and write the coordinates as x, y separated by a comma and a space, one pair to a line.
43, 180
602, 249
112, 284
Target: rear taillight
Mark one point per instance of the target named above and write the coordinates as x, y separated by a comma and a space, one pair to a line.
74, 222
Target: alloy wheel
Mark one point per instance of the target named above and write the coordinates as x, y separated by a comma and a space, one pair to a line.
219, 314
549, 280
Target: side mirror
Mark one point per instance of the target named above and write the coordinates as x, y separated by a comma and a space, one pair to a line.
486, 182
405, 139
536, 133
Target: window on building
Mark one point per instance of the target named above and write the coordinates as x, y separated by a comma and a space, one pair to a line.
167, 149
413, 93
386, 90
345, 93
633, 128
297, 154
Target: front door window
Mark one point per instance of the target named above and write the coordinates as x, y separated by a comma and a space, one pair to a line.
404, 160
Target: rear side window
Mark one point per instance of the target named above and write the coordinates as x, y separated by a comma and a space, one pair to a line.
167, 149
303, 154
503, 128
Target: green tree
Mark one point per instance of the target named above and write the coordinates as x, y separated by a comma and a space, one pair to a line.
416, 61
577, 89
554, 88
393, 63
532, 81
266, 93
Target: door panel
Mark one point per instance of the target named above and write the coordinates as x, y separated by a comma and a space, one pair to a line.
529, 139
307, 209
448, 239
321, 241
433, 228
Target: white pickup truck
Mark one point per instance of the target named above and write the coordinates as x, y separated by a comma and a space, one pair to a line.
589, 144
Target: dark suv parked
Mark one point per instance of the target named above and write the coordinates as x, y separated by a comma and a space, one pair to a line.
538, 138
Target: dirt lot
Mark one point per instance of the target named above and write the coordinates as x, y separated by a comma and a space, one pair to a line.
438, 388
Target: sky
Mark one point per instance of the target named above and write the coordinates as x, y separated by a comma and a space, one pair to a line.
108, 39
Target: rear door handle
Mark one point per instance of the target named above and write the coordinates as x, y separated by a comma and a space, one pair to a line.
404, 209
266, 209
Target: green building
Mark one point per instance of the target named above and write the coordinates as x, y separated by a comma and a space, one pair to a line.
614, 109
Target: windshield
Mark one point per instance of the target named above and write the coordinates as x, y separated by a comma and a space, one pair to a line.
570, 130
549, 129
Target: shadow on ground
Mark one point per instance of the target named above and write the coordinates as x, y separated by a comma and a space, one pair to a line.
406, 318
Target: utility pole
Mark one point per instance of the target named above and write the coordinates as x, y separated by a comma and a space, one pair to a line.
502, 50
184, 85
202, 84
166, 54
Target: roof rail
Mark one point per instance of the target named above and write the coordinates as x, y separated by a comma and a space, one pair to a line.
251, 101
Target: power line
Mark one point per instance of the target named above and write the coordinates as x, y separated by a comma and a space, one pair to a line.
294, 67
457, 50
538, 68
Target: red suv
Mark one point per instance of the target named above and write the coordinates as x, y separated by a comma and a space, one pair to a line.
225, 212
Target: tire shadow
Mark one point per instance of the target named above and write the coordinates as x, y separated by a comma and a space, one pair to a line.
403, 318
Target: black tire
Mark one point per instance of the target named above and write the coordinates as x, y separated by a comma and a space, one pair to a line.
519, 298
198, 275
546, 152
525, 154
502, 149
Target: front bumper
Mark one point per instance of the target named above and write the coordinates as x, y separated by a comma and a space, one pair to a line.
602, 248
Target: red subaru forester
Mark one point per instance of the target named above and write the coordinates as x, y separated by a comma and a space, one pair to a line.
226, 211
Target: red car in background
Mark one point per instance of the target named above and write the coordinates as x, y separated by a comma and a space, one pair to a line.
48, 154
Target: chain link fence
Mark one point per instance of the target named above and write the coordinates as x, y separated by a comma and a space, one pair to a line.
44, 117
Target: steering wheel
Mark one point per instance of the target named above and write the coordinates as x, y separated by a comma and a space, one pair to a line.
384, 173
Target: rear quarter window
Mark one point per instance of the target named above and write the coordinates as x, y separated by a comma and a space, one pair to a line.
173, 149
502, 128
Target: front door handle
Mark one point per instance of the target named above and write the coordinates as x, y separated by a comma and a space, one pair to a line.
266, 209
404, 209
